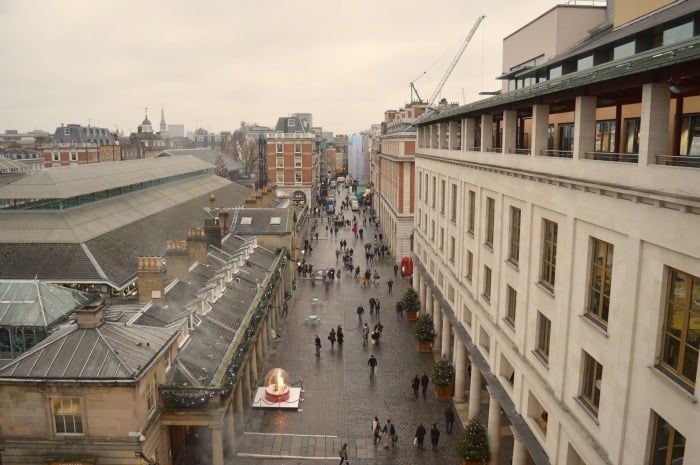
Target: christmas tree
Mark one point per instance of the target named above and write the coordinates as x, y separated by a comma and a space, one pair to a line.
473, 445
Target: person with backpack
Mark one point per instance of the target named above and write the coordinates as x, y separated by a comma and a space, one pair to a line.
376, 431
360, 312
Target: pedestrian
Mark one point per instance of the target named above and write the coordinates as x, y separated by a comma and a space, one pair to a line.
365, 334
396, 269
415, 385
449, 419
337, 255
317, 343
285, 308
340, 336
424, 383
399, 309
434, 437
371, 305
331, 337
388, 428
390, 283
376, 306
372, 362
420, 435
376, 430
360, 312
343, 452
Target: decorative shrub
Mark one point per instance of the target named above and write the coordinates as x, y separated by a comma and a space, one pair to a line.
473, 445
443, 372
410, 301
424, 329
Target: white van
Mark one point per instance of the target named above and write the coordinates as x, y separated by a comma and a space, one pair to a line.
332, 185
340, 179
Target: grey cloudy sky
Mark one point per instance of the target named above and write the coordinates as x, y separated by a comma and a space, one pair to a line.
213, 64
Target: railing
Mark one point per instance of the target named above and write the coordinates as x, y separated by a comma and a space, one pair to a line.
611, 156
688, 161
519, 151
557, 153
494, 150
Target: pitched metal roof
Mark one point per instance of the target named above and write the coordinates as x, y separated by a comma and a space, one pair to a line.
110, 352
207, 155
73, 181
35, 303
251, 221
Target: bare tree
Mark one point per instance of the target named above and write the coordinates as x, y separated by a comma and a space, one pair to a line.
249, 156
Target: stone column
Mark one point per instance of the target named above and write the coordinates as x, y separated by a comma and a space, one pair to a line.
461, 370
437, 323
445, 336
494, 428
653, 127
217, 446
421, 290
474, 392
584, 126
230, 438
253, 364
510, 118
519, 450
486, 132
540, 124
428, 300
245, 383
468, 129
262, 337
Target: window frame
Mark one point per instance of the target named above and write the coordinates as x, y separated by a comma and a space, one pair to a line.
471, 216
490, 221
487, 283
543, 337
668, 444
514, 240
443, 192
591, 382
597, 299
453, 206
55, 415
470, 266
548, 259
279, 148
511, 305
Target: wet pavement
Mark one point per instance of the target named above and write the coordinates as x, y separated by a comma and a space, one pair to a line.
340, 398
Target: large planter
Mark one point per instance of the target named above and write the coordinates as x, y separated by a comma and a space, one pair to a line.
411, 316
443, 391
425, 346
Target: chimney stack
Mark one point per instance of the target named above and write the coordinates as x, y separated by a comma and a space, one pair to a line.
223, 221
151, 278
177, 260
213, 232
90, 315
196, 245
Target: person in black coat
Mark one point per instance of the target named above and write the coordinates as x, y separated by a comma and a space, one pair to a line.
434, 436
420, 435
424, 383
449, 419
415, 384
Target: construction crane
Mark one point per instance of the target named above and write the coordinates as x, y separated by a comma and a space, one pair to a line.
436, 92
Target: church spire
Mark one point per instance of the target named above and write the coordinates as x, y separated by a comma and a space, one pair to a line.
163, 126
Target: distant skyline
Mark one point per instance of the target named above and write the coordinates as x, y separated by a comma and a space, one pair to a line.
214, 64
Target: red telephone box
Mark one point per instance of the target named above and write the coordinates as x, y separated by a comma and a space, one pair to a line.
406, 266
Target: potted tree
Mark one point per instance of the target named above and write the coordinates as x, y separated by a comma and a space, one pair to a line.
473, 445
411, 304
425, 332
443, 378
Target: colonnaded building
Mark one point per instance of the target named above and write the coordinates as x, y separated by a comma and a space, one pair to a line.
556, 236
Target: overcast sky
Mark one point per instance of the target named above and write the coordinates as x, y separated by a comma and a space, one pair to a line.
213, 64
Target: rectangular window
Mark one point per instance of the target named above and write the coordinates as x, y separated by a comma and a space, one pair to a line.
74, 156
425, 223
426, 188
279, 177
290, 122
549, 254
566, 137
297, 177
544, 328
297, 161
681, 333
432, 230
470, 265
600, 278
550, 137
490, 218
487, 283
604, 136
632, 135
57, 156
434, 193
66, 131
279, 148
150, 396
297, 148
667, 445
453, 203
514, 243
442, 239
472, 211
452, 249
591, 382
66, 415
420, 186
511, 299
442, 197
279, 162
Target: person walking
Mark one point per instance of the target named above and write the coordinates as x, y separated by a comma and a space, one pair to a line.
415, 385
317, 343
365, 334
331, 337
390, 283
396, 269
339, 334
434, 437
424, 383
343, 452
285, 309
376, 431
360, 312
449, 419
389, 433
420, 435
376, 306
372, 362
372, 303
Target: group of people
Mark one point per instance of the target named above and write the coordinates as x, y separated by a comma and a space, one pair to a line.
417, 383
385, 435
434, 431
333, 336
